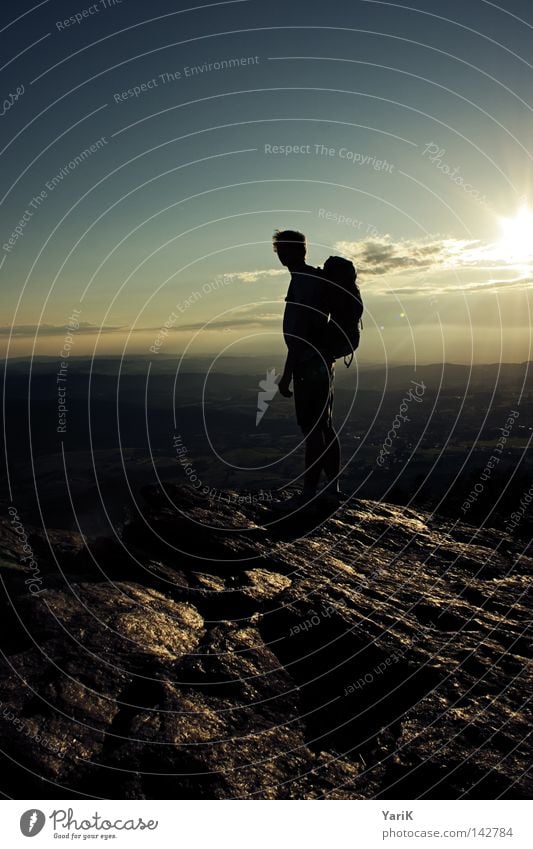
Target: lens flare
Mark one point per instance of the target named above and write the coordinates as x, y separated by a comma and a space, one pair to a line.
517, 235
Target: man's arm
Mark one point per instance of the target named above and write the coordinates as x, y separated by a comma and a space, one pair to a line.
286, 377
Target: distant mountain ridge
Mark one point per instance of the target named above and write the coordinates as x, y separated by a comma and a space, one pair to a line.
138, 363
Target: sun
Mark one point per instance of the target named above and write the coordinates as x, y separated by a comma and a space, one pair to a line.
517, 235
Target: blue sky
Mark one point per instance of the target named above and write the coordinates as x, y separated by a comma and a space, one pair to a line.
396, 134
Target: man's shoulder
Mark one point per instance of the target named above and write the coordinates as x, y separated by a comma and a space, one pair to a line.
307, 272
305, 282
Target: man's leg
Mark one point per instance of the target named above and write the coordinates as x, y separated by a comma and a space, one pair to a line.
331, 461
314, 460
313, 399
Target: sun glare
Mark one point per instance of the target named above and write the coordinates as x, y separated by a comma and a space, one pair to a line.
517, 235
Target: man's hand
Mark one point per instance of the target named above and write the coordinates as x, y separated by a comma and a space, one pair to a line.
283, 386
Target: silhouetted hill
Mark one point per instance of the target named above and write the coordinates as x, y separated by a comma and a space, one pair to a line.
213, 650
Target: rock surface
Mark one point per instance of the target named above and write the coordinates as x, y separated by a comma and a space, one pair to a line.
216, 650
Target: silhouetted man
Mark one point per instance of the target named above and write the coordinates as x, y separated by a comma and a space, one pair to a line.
309, 368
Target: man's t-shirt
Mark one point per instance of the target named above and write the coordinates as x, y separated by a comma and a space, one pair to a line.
306, 314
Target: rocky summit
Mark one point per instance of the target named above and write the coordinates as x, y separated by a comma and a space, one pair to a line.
211, 648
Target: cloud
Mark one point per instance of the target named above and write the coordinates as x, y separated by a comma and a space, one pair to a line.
432, 265
485, 286
382, 255
233, 323
517, 282
252, 316
55, 329
253, 276
243, 317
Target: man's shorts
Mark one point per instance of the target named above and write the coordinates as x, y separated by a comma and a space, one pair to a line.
313, 393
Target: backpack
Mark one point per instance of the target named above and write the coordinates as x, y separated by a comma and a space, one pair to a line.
345, 306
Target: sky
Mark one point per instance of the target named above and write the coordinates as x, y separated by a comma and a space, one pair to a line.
149, 151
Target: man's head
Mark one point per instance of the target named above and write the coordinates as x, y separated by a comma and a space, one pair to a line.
290, 247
